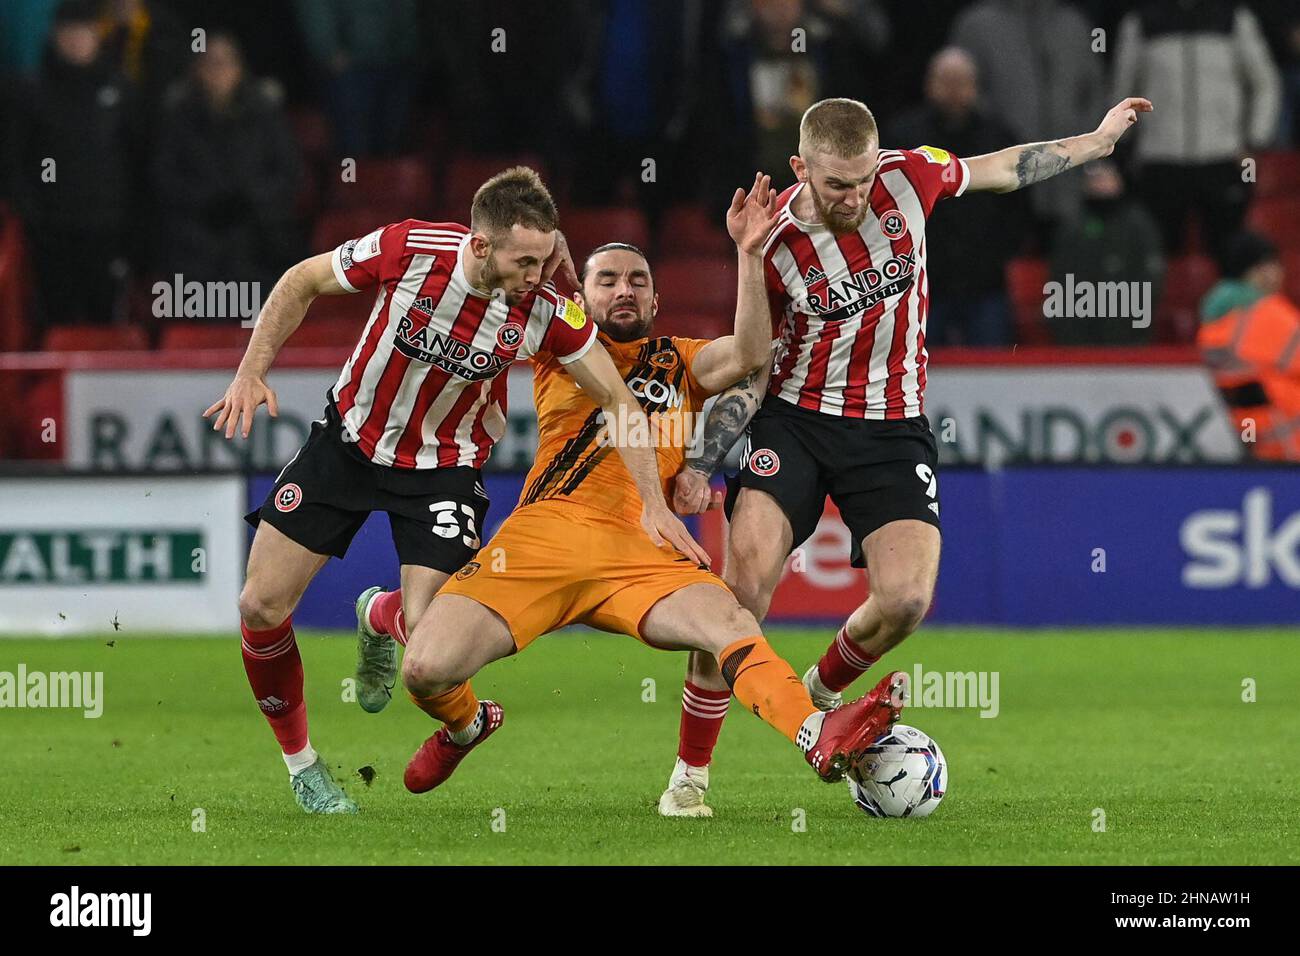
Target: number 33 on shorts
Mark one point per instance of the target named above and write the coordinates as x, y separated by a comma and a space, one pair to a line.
446, 523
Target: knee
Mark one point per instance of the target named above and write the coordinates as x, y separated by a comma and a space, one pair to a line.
750, 588
428, 665
258, 611
903, 609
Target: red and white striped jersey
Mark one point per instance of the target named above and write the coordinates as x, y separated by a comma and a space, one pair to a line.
850, 310
424, 387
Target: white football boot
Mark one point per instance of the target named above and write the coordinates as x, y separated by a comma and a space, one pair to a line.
685, 794
823, 697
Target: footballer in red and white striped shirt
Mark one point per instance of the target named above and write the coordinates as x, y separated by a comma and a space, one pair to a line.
842, 411
414, 414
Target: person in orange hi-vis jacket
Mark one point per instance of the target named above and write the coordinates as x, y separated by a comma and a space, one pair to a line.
1250, 340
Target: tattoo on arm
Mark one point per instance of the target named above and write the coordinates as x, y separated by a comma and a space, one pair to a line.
726, 423
1040, 161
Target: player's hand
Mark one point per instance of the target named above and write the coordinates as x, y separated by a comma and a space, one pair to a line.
664, 527
560, 259
1121, 116
752, 215
238, 406
692, 494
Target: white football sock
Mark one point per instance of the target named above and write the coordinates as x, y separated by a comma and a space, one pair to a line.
300, 761
470, 733
809, 731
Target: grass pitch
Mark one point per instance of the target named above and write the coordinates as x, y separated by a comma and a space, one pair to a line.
1149, 728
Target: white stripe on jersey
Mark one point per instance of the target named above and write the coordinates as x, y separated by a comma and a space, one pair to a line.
378, 313
399, 413
909, 205
403, 296
484, 338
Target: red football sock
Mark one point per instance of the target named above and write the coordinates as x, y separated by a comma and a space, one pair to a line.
386, 615
843, 662
274, 669
702, 713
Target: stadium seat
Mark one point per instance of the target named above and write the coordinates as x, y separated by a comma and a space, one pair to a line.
700, 285
203, 335
1187, 279
312, 131
1291, 264
466, 173
337, 226
693, 326
95, 338
1278, 218
1025, 280
1277, 174
404, 182
691, 230
585, 229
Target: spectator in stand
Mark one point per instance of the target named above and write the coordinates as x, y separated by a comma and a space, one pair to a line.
969, 250
1250, 340
24, 34
370, 54
148, 43
226, 171
774, 75
71, 156
1114, 240
1206, 67
1039, 75
631, 95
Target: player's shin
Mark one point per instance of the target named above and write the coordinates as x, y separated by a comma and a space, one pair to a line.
459, 708
274, 669
843, 663
768, 687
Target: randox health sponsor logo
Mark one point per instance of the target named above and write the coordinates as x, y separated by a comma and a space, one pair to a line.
89, 556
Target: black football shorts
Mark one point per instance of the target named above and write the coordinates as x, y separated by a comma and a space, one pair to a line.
876, 471
329, 488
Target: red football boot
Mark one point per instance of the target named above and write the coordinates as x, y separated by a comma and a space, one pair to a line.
439, 756
852, 728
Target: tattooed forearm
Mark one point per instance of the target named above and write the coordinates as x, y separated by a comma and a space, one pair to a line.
727, 421
1040, 161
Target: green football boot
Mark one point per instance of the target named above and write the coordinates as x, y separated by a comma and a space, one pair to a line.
376, 660
317, 792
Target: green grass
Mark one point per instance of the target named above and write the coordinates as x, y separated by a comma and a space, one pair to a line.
1148, 726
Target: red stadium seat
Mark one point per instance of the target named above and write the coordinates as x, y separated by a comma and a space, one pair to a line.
1278, 218
404, 182
1025, 280
312, 131
692, 326
1187, 279
204, 335
466, 173
692, 230
339, 225
1277, 174
585, 229
1291, 264
95, 338
702, 285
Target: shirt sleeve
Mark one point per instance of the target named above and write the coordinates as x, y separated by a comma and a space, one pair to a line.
569, 333
935, 174
364, 263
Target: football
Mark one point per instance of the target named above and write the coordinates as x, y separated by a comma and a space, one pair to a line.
903, 774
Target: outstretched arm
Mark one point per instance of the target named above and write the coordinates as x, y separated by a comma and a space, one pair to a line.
1010, 169
281, 315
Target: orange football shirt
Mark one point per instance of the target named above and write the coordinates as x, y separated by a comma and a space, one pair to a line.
576, 459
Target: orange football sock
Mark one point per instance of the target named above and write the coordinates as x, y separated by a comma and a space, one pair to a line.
766, 684
456, 708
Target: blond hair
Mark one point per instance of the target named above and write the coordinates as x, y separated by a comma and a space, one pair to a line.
841, 127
